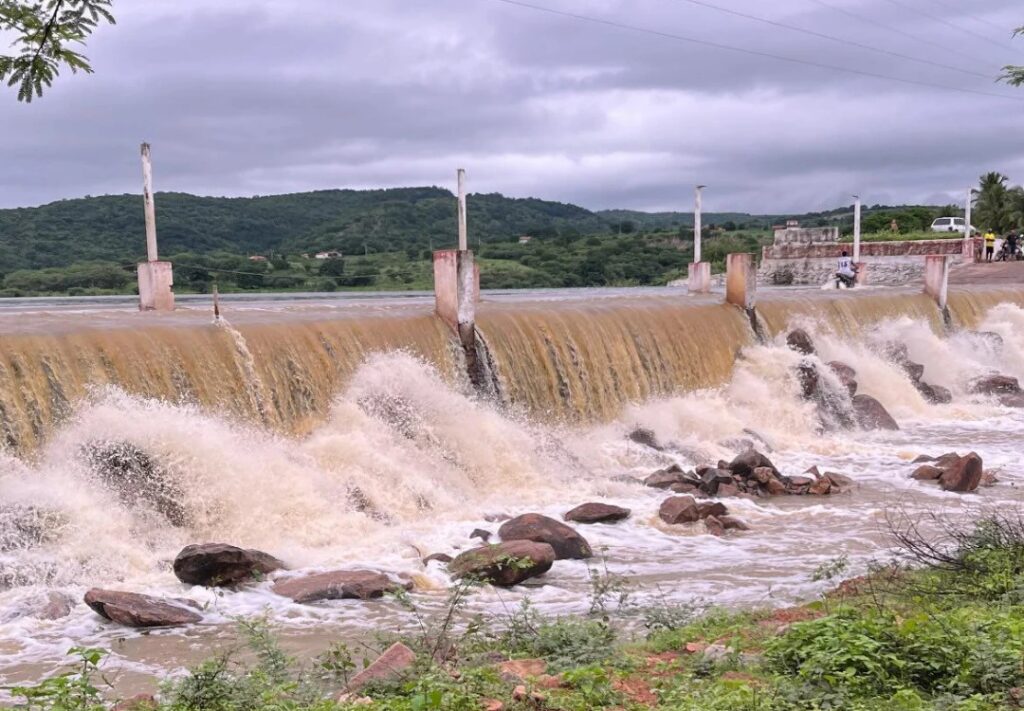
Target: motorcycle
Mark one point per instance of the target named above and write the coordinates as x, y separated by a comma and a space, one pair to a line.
1008, 254
844, 281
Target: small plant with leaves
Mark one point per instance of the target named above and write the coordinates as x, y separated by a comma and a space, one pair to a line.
72, 691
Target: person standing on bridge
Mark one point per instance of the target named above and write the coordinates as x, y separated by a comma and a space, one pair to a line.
990, 245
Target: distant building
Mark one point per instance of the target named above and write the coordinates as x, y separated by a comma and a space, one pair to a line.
328, 255
793, 233
525, 239
257, 258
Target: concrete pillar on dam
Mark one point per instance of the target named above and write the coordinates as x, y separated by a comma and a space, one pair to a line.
457, 290
936, 278
740, 280
155, 277
699, 281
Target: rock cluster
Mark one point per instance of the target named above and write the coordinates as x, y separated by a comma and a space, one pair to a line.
686, 509
750, 473
951, 471
1003, 387
898, 354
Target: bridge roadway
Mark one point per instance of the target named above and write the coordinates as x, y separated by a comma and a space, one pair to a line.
995, 273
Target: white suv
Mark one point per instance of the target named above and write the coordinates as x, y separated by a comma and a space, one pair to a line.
950, 224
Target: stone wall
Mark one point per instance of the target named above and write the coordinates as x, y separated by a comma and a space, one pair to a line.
889, 263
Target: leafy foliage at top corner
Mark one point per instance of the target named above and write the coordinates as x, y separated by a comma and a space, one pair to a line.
1012, 74
46, 35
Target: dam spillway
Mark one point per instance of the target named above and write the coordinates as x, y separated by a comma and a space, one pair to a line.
557, 357
340, 431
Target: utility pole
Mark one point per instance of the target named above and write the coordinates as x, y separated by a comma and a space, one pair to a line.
155, 277
699, 281
463, 233
150, 208
697, 195
856, 229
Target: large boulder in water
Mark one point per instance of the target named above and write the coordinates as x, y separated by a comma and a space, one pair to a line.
220, 564
541, 529
872, 415
646, 437
504, 564
338, 585
137, 610
935, 394
596, 512
137, 479
679, 509
962, 475
800, 341
995, 385
665, 478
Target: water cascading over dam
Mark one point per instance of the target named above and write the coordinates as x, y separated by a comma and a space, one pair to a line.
562, 359
345, 433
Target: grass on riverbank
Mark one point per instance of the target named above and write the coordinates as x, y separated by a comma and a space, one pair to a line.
942, 630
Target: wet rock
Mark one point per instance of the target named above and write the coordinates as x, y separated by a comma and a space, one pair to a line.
922, 459
914, 370
711, 508
137, 479
872, 415
595, 512
962, 475
679, 509
820, 487
541, 529
714, 526
776, 487
732, 523
935, 394
504, 564
687, 488
847, 375
646, 437
762, 475
1012, 400
711, 479
338, 585
800, 341
393, 665
839, 482
482, 534
728, 490
799, 484
995, 385
926, 472
220, 564
664, 478
745, 464
137, 610
810, 381
362, 503
498, 517
439, 557
26, 526
57, 606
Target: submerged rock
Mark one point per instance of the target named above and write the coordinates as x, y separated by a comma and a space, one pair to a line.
137, 610
872, 415
926, 472
541, 529
1012, 400
220, 564
596, 512
504, 564
646, 437
483, 534
137, 479
847, 376
995, 385
665, 478
800, 341
338, 585
24, 526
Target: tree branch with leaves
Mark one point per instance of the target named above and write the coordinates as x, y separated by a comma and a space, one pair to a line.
46, 36
1013, 74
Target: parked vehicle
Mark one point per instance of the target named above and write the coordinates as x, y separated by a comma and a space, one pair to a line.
950, 224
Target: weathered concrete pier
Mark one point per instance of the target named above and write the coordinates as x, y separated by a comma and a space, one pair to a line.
155, 277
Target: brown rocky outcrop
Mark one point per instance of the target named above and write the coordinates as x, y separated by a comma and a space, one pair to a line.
872, 415
504, 564
665, 478
220, 564
935, 394
137, 479
596, 512
679, 509
745, 464
541, 529
926, 472
644, 436
137, 610
338, 585
439, 557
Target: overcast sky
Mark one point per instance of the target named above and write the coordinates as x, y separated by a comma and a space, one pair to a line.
243, 97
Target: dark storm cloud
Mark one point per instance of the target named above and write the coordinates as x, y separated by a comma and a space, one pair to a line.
256, 96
